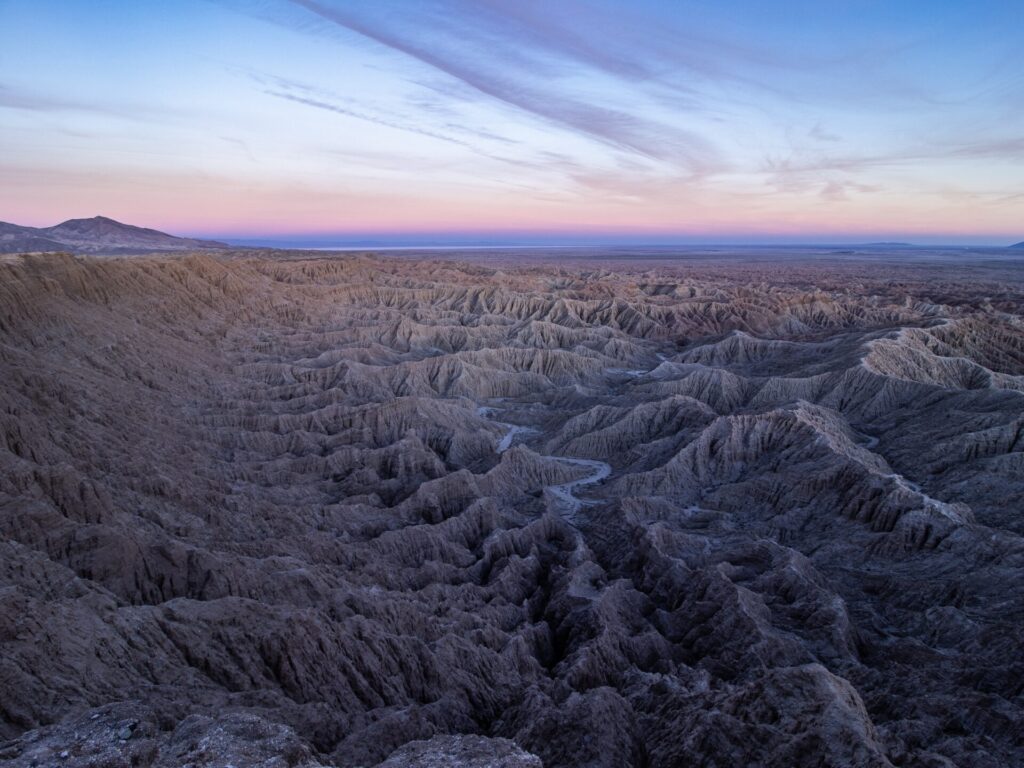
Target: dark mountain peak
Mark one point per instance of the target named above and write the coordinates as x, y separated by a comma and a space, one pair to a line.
98, 234
98, 224
95, 221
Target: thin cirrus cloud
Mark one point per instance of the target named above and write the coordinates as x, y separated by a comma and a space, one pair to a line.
463, 44
675, 117
31, 101
1011, 149
469, 64
320, 104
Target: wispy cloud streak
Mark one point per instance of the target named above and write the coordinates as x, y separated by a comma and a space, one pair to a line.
515, 88
319, 104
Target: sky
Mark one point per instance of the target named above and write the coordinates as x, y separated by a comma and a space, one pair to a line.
521, 121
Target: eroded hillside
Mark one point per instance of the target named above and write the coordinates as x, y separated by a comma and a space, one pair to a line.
311, 510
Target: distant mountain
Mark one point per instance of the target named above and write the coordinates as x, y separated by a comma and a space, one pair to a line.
16, 239
1018, 245
889, 245
96, 235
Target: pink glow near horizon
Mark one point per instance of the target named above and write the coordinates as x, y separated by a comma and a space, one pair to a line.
306, 119
268, 213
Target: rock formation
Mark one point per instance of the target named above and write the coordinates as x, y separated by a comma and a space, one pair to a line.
351, 511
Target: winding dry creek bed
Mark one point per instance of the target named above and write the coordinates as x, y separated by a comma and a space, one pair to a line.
564, 493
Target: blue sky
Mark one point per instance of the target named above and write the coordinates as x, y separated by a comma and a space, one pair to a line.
599, 121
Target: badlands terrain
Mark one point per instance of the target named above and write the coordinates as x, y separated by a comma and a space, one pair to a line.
293, 510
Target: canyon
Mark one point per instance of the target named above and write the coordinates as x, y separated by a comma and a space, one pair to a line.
293, 509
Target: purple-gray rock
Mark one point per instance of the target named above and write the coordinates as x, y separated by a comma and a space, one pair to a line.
274, 510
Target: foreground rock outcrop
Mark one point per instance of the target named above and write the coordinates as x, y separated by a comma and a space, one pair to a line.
350, 511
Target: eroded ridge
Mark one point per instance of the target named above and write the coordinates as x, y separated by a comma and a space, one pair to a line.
345, 510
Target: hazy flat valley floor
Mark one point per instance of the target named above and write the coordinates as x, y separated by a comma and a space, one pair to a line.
274, 509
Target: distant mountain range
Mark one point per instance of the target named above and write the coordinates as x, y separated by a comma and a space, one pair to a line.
96, 235
1018, 245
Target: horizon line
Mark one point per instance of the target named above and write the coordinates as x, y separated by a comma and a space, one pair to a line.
568, 238
402, 243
